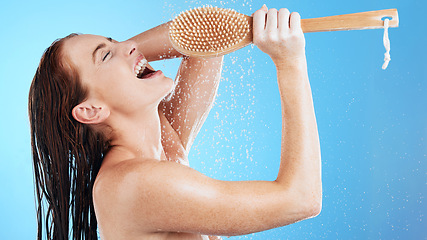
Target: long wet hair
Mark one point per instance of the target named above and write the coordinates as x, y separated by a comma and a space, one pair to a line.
67, 154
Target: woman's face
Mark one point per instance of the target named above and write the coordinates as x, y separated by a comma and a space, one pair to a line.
108, 69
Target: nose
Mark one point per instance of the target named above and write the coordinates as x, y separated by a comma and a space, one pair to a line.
132, 49
129, 47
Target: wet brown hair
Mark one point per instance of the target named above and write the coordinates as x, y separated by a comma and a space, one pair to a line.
67, 154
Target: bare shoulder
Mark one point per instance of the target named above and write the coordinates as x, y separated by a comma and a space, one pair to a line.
115, 174
128, 196
120, 179
117, 194
110, 183
135, 181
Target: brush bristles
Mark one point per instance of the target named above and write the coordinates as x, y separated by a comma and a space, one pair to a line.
208, 29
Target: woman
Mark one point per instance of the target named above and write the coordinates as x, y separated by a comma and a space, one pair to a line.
105, 144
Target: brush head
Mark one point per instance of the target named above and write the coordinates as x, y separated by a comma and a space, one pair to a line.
210, 31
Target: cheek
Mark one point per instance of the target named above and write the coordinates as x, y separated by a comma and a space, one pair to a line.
109, 87
115, 79
123, 92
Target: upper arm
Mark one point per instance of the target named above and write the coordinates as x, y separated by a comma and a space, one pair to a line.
169, 197
197, 84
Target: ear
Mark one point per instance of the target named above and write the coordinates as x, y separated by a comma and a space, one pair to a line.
88, 113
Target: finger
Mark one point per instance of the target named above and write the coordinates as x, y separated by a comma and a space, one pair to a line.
295, 21
258, 24
271, 19
284, 20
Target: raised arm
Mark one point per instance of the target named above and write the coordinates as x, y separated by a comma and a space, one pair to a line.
197, 82
169, 197
300, 142
155, 44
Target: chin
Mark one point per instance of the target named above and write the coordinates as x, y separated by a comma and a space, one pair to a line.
169, 85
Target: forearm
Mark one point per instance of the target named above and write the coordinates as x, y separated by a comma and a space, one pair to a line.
197, 84
300, 153
155, 43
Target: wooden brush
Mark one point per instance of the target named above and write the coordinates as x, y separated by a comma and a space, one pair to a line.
212, 31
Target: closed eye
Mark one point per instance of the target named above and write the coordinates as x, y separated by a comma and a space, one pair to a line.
106, 55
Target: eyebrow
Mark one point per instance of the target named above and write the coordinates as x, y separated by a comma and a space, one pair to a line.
101, 45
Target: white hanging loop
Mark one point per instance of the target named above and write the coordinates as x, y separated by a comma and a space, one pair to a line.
386, 41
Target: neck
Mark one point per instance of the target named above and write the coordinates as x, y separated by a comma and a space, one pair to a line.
136, 137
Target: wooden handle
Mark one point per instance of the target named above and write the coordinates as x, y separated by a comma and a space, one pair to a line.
355, 21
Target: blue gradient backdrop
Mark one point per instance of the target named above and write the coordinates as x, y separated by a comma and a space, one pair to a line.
372, 123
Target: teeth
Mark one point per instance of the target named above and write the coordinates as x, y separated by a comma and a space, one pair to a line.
139, 68
143, 62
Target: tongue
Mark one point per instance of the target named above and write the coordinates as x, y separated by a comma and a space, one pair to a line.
145, 72
147, 75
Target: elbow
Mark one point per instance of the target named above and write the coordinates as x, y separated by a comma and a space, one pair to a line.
308, 204
302, 203
313, 207
303, 208
311, 199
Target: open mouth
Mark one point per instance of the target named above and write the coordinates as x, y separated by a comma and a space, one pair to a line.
142, 71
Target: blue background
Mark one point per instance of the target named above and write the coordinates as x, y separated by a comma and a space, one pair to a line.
372, 123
